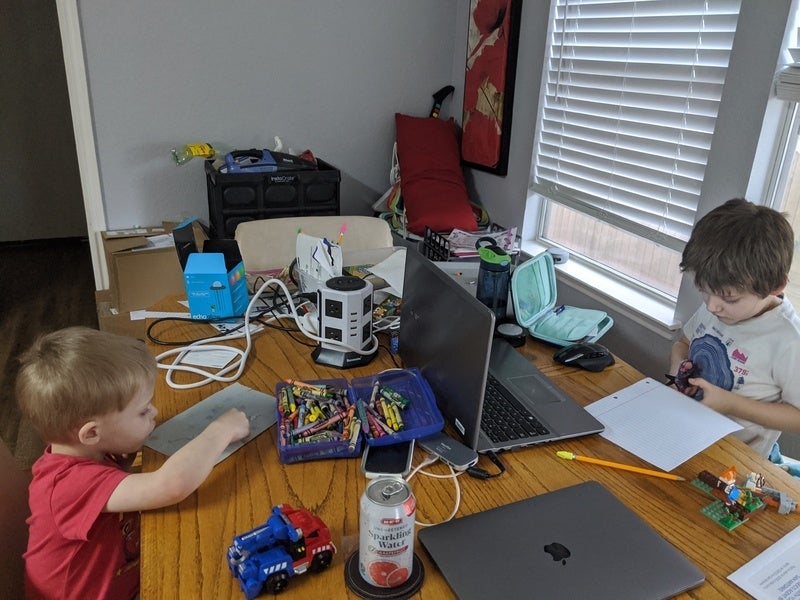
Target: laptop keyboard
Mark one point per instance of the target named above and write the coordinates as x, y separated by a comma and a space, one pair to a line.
504, 418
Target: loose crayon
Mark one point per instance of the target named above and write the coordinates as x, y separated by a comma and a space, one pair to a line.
395, 410
394, 396
355, 425
374, 394
362, 415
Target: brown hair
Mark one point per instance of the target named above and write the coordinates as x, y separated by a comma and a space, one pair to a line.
71, 375
740, 246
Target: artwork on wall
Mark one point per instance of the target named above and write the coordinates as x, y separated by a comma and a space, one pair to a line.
491, 66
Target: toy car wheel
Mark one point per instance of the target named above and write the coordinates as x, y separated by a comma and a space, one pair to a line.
321, 561
276, 583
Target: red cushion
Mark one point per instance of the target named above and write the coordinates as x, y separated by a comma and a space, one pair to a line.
431, 179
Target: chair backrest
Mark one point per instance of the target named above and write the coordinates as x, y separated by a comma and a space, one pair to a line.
270, 243
13, 529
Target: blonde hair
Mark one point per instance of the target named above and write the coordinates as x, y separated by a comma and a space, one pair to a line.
71, 375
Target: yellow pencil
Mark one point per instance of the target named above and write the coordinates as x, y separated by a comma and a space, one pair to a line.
608, 463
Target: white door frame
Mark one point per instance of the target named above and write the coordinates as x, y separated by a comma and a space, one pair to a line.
75, 65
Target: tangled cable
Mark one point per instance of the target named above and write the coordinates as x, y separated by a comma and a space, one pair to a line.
232, 371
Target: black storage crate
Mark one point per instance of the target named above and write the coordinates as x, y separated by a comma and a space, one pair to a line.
237, 197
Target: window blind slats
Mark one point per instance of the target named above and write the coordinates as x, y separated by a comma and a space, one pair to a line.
656, 138
658, 26
647, 103
631, 93
666, 8
582, 85
704, 74
668, 172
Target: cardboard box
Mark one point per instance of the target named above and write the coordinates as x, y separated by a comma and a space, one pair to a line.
214, 278
140, 271
111, 320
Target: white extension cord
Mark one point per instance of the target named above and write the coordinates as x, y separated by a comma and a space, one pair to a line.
307, 324
432, 458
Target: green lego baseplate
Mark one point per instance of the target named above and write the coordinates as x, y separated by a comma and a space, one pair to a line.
719, 513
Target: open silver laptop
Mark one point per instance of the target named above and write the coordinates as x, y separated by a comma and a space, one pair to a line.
576, 542
448, 334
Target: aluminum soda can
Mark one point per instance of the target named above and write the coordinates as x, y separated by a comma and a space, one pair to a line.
386, 541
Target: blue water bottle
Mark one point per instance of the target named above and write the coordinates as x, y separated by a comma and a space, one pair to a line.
494, 274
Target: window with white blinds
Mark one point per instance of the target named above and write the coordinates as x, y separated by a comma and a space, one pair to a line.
630, 94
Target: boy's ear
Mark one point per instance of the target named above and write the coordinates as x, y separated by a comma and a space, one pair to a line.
89, 433
779, 290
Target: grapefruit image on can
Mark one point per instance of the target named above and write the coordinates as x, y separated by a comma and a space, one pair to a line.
386, 540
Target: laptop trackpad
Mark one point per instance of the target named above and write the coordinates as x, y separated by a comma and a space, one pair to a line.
532, 388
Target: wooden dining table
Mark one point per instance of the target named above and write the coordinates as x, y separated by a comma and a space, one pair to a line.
183, 552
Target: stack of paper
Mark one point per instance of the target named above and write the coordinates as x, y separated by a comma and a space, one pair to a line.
462, 243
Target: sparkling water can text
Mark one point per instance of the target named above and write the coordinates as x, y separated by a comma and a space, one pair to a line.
386, 546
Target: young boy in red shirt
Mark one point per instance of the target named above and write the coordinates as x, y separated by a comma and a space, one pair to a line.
89, 395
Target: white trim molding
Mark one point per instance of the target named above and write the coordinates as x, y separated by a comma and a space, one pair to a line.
77, 85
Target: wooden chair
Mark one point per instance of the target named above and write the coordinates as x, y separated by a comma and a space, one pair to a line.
270, 243
13, 529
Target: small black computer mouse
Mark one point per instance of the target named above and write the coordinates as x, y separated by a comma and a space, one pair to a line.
589, 356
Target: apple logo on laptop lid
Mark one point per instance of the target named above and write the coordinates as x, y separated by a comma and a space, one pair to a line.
559, 552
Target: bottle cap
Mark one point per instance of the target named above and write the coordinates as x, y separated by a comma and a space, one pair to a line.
492, 253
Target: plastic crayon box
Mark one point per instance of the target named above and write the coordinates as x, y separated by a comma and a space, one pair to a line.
316, 420
398, 406
328, 418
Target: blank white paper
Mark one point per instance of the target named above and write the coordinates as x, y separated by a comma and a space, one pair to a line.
659, 424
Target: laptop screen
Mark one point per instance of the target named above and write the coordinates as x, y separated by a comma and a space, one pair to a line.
447, 334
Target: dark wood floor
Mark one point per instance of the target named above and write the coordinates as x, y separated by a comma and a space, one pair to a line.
46, 285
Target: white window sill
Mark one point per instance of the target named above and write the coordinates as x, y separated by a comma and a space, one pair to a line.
653, 313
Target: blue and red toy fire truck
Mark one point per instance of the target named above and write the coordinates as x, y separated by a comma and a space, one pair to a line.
291, 542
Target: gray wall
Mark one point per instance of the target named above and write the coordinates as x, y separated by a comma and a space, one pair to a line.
40, 191
328, 76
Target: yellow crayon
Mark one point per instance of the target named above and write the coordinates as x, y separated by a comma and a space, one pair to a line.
311, 416
387, 414
396, 414
355, 425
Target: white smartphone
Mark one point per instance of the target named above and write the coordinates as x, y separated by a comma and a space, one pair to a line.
394, 459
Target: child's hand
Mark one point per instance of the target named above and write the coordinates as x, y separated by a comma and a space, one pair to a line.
693, 391
686, 371
711, 395
235, 421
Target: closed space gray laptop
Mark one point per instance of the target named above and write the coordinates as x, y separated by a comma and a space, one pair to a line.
576, 542
448, 334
